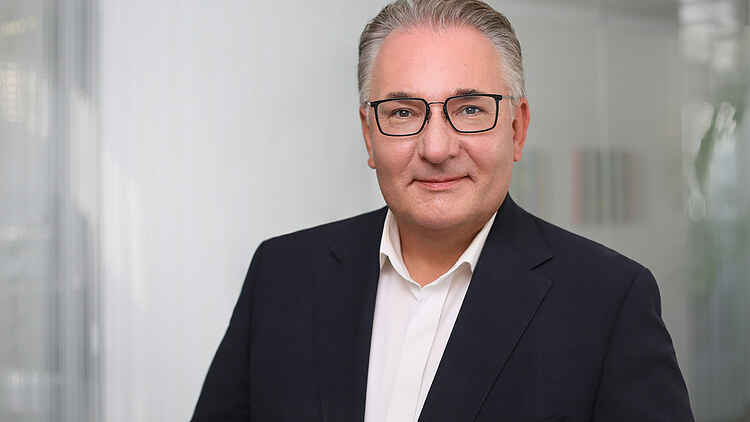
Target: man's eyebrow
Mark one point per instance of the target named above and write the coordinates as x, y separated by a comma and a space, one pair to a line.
407, 94
401, 94
468, 91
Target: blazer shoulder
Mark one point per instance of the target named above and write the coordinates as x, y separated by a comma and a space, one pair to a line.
585, 256
367, 227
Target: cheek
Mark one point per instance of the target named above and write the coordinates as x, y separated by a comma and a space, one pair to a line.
392, 156
492, 156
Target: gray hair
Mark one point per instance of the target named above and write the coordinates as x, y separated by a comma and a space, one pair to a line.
440, 14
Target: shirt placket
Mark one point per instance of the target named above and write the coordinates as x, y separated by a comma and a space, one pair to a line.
417, 345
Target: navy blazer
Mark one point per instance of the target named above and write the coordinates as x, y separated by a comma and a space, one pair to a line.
553, 327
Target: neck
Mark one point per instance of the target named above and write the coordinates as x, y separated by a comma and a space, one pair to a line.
430, 253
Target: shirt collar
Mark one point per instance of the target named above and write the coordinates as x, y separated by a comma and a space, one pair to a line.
390, 247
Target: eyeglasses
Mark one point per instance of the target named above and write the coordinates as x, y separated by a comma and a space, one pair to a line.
471, 113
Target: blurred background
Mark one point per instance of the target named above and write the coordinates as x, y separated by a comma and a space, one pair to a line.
147, 147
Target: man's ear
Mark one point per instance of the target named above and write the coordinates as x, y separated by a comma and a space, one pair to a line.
366, 135
521, 118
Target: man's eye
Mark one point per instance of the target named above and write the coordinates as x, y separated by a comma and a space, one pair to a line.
402, 113
470, 110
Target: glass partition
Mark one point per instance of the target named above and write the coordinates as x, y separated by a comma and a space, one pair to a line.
49, 359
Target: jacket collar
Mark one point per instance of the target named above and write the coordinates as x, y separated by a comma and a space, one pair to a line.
344, 307
503, 297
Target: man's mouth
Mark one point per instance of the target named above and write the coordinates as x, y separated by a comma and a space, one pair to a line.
440, 183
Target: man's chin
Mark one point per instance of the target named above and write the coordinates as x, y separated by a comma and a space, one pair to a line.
438, 219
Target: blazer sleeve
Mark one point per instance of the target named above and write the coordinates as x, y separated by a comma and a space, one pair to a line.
225, 394
641, 380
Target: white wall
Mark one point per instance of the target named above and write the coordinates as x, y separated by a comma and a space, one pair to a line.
223, 123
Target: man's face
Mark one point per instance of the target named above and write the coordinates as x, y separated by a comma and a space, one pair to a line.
439, 178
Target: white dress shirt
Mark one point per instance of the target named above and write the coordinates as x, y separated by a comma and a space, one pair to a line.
411, 328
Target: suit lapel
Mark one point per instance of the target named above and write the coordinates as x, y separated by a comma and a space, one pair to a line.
345, 295
502, 299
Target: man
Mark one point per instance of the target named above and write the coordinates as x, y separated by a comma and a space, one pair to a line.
453, 304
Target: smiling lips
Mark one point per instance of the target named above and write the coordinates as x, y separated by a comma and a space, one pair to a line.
438, 184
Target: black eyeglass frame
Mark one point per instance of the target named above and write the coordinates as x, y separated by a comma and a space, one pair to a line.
497, 97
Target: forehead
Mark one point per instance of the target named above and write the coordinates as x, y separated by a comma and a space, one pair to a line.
434, 63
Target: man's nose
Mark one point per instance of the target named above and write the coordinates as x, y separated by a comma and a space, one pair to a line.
438, 141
